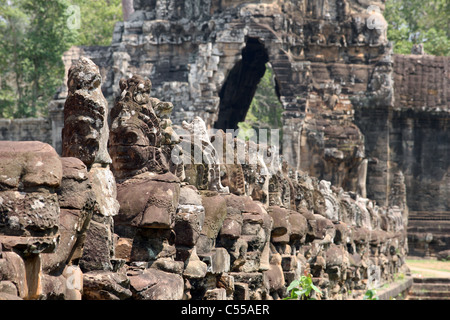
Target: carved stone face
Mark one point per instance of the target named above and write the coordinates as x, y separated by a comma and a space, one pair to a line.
136, 89
130, 149
82, 138
85, 133
29, 209
135, 137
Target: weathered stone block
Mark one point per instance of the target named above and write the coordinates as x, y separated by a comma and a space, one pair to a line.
73, 225
148, 202
215, 294
97, 248
241, 291
189, 221
274, 276
75, 187
153, 284
29, 214
27, 164
226, 282
299, 225
106, 285
215, 213
217, 261
123, 249
152, 244
280, 218
289, 263
195, 268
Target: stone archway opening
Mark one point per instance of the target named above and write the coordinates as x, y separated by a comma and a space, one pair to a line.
240, 86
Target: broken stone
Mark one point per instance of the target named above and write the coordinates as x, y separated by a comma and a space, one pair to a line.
215, 294
195, 268
153, 284
106, 285
97, 249
189, 221
27, 164
217, 261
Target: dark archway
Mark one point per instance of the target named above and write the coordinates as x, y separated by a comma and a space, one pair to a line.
239, 88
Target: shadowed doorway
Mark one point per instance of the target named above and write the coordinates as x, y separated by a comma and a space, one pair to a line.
239, 88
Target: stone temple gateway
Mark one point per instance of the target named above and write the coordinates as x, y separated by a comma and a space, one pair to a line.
358, 130
207, 57
354, 113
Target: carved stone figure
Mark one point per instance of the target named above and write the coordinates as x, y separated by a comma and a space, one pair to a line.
147, 192
135, 138
85, 136
38, 238
208, 155
85, 133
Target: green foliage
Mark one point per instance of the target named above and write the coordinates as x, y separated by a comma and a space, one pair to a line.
33, 37
97, 21
416, 21
301, 289
34, 34
265, 111
371, 295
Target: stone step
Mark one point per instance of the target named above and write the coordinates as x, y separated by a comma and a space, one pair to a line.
432, 280
413, 297
431, 287
434, 294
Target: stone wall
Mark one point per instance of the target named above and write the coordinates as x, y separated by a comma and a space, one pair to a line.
26, 129
419, 147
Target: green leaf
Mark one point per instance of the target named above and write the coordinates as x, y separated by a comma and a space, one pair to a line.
316, 289
293, 284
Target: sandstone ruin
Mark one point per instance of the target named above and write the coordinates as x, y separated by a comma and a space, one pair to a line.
71, 230
115, 218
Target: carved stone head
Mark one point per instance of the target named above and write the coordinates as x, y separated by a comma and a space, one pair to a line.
85, 133
135, 137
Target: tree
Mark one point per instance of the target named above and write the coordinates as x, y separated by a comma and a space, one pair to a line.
12, 31
265, 111
97, 21
34, 35
417, 21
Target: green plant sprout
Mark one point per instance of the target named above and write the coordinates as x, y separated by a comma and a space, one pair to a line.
371, 294
301, 289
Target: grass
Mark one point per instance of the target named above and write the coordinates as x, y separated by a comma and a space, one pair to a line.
432, 267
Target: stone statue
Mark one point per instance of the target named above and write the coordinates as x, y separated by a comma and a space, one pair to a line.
147, 192
136, 136
85, 133
209, 157
85, 136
